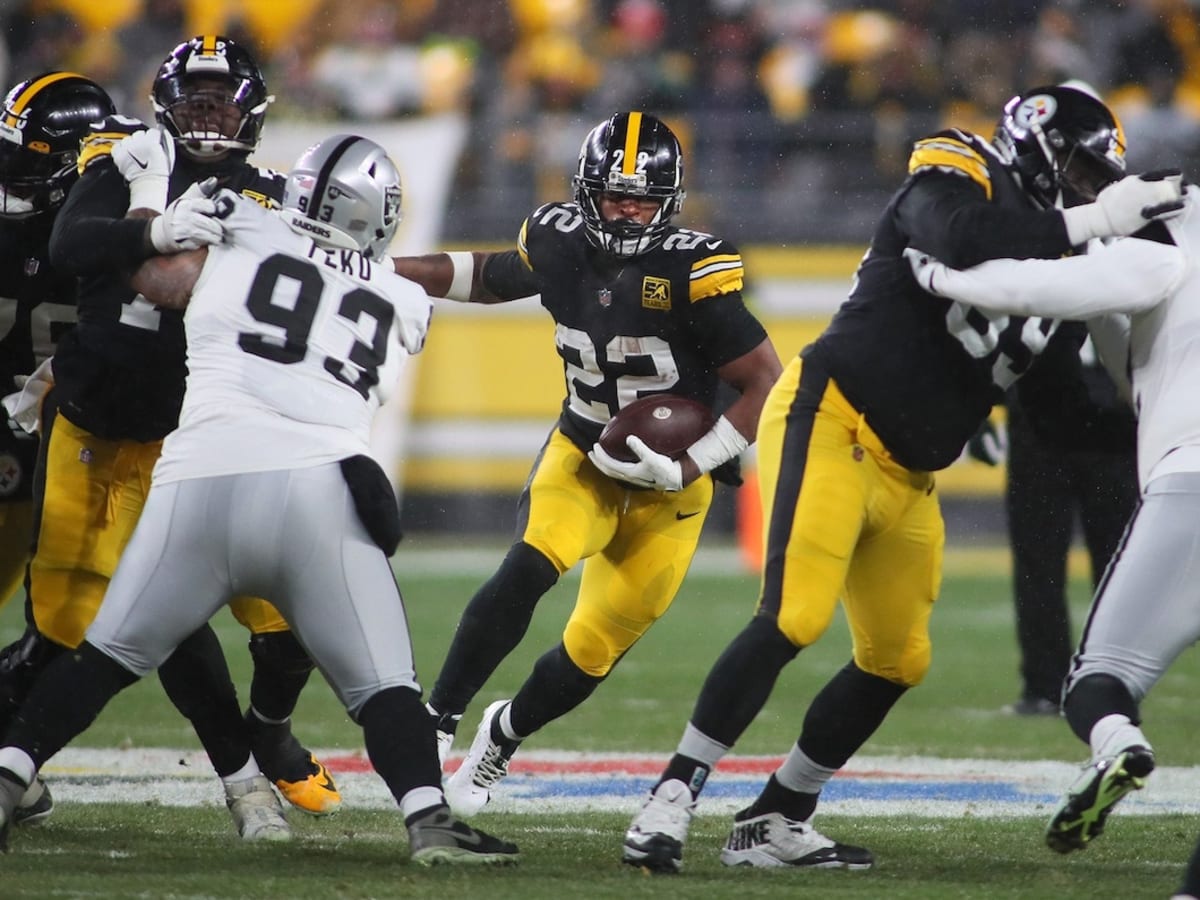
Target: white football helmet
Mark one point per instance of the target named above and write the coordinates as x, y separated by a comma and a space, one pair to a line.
344, 192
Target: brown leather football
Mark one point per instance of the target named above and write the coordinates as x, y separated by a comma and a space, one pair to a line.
668, 423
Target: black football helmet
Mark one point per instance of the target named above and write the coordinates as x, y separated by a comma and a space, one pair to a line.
45, 118
1064, 144
211, 97
634, 154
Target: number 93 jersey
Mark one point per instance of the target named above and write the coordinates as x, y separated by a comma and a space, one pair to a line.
291, 350
625, 327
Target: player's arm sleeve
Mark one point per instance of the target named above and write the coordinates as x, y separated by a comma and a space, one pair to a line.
91, 234
955, 214
507, 276
1125, 276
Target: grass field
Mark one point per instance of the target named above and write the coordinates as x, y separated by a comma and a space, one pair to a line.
127, 850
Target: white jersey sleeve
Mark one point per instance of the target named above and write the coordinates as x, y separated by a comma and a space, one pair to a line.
1125, 276
291, 350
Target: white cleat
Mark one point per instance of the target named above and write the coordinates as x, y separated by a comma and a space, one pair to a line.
257, 813
773, 841
656, 836
470, 787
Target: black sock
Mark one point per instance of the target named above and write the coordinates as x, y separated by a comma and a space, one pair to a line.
554, 688
398, 733
776, 798
281, 669
846, 712
1094, 697
196, 678
491, 626
690, 771
65, 700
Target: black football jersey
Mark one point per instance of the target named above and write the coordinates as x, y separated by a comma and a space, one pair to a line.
37, 302
120, 373
662, 322
925, 371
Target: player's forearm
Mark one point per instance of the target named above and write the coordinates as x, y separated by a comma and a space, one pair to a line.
455, 276
167, 281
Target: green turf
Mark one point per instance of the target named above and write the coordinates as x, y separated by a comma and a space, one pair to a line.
148, 851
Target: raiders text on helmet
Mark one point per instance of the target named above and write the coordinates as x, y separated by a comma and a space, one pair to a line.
44, 120
632, 154
344, 192
211, 97
1060, 138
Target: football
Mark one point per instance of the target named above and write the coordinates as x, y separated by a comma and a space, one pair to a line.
668, 423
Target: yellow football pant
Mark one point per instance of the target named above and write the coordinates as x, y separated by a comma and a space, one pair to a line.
843, 521
94, 493
636, 546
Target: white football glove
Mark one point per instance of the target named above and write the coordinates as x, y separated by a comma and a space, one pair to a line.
989, 444
145, 159
925, 268
652, 470
1126, 206
190, 222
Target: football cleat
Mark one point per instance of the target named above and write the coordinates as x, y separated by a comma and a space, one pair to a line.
1081, 815
470, 787
35, 806
445, 726
11, 791
257, 813
656, 836
437, 837
302, 779
773, 841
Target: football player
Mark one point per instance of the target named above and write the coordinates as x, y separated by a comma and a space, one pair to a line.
1140, 297
640, 306
848, 444
118, 383
295, 334
44, 119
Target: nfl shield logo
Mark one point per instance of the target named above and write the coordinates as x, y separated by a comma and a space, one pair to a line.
604, 295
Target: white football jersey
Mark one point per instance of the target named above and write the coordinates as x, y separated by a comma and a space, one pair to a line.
291, 350
1145, 296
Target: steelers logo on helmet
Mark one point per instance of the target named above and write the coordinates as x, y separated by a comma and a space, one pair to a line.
1035, 110
630, 154
211, 97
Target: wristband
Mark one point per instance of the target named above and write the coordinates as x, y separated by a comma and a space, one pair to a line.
463, 264
148, 192
722, 443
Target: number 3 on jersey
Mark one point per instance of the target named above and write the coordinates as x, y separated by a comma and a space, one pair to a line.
286, 295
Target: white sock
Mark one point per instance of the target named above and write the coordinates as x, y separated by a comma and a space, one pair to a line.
260, 717
1115, 733
506, 726
249, 770
19, 763
695, 744
420, 798
799, 773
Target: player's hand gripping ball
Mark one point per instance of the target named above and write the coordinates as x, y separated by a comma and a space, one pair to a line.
667, 423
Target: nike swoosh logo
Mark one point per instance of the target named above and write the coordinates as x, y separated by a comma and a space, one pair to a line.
682, 515
141, 165
469, 838
712, 245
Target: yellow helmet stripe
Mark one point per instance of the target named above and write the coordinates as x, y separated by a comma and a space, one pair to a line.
629, 163
13, 113
208, 44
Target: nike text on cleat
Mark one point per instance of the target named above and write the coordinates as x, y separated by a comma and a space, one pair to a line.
656, 836
438, 838
470, 787
256, 812
773, 841
35, 806
1081, 815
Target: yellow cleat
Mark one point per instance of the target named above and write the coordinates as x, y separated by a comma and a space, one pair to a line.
316, 795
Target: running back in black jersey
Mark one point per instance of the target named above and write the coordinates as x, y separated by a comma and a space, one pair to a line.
926, 371
120, 373
664, 321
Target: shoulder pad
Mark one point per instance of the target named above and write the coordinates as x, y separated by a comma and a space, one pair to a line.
955, 152
98, 143
548, 220
717, 269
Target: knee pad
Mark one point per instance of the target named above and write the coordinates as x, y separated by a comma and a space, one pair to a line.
280, 651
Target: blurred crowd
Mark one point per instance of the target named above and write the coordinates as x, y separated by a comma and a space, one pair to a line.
783, 105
